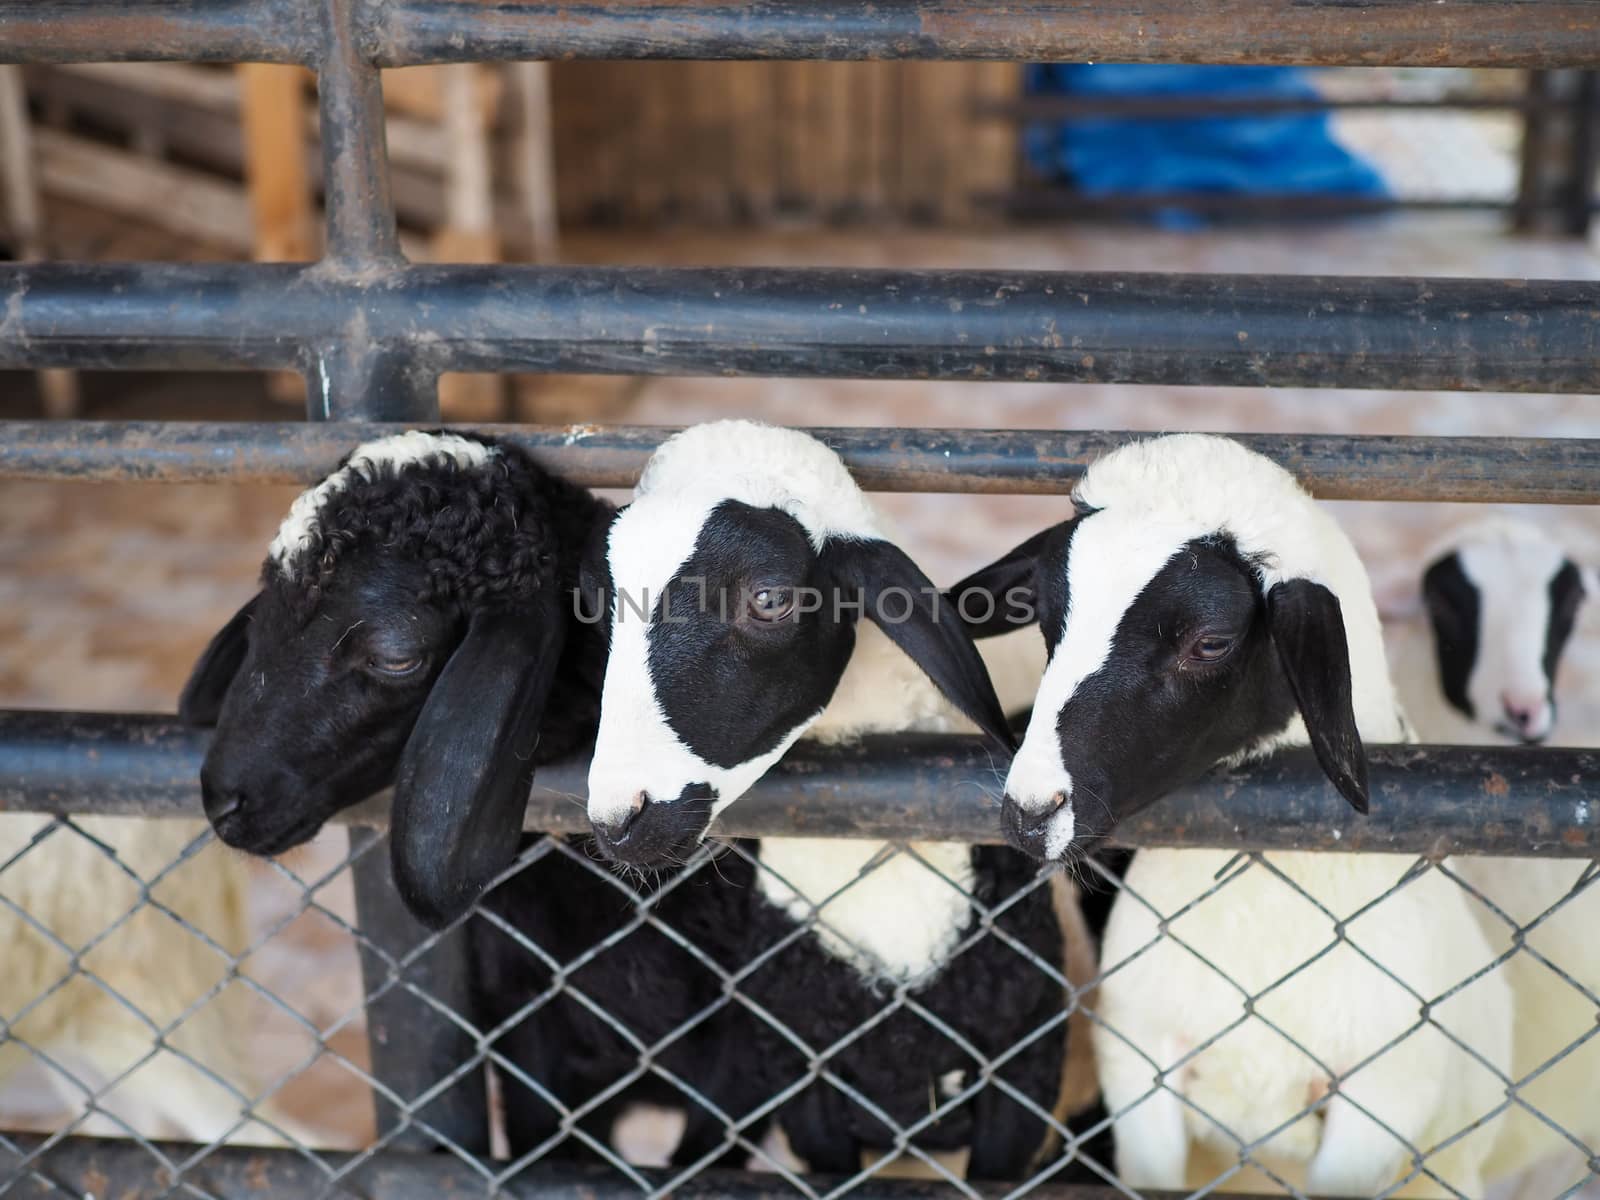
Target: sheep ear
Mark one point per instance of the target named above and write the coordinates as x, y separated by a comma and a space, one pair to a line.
898, 598
200, 703
462, 784
1308, 629
1003, 595
594, 572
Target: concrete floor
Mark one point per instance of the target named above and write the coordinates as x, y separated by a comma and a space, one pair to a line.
107, 593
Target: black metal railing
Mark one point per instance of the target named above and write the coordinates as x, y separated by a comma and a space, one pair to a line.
372, 333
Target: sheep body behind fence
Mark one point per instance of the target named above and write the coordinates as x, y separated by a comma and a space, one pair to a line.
1501, 598
119, 935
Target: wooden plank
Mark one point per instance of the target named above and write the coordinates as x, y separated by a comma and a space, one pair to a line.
187, 202
272, 112
754, 170
19, 171
536, 159
833, 135
468, 234
709, 129
177, 83
19, 188
419, 92
795, 124
992, 151
870, 171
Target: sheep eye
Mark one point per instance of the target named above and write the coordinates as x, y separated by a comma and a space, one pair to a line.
396, 667
771, 604
1210, 648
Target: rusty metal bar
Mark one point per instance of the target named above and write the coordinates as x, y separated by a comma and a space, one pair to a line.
79, 1166
1228, 330
1328, 32
157, 30
1466, 800
360, 212
354, 372
1486, 33
1031, 461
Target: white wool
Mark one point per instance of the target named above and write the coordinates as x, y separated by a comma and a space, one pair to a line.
69, 884
397, 450
1161, 999
1511, 562
766, 466
898, 921
901, 921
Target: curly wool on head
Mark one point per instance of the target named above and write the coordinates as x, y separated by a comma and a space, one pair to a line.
482, 522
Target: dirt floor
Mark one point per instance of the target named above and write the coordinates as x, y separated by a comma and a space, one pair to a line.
107, 593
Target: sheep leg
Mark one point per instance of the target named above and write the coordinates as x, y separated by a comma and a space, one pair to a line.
735, 1085
1356, 1157
530, 1119
1005, 1135
819, 1133
1152, 1143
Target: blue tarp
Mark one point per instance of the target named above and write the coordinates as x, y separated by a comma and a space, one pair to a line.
1279, 153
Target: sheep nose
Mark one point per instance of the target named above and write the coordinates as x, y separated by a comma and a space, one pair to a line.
616, 829
1028, 827
1526, 715
227, 804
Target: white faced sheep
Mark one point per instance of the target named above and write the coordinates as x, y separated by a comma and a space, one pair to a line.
1200, 609
736, 580
1501, 599
416, 623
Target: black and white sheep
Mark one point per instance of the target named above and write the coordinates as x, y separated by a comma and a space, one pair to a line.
1501, 598
415, 623
736, 580
1201, 609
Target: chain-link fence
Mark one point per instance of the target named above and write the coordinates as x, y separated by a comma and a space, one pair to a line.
155, 1022
348, 1043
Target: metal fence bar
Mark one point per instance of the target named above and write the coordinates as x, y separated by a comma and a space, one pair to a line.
1003, 461
1230, 330
413, 1046
97, 1167
1474, 800
1487, 33
350, 373
1439, 33
157, 30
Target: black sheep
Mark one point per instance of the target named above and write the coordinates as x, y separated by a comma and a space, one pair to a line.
415, 624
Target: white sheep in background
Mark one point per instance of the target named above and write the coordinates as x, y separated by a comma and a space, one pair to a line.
71, 888
1201, 610
1501, 599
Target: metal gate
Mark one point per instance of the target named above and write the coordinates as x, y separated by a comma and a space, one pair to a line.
372, 333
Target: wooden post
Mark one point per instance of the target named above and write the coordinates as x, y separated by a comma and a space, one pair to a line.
19, 177
272, 104
272, 113
468, 235
537, 159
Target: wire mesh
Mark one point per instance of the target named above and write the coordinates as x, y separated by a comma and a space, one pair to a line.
146, 999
